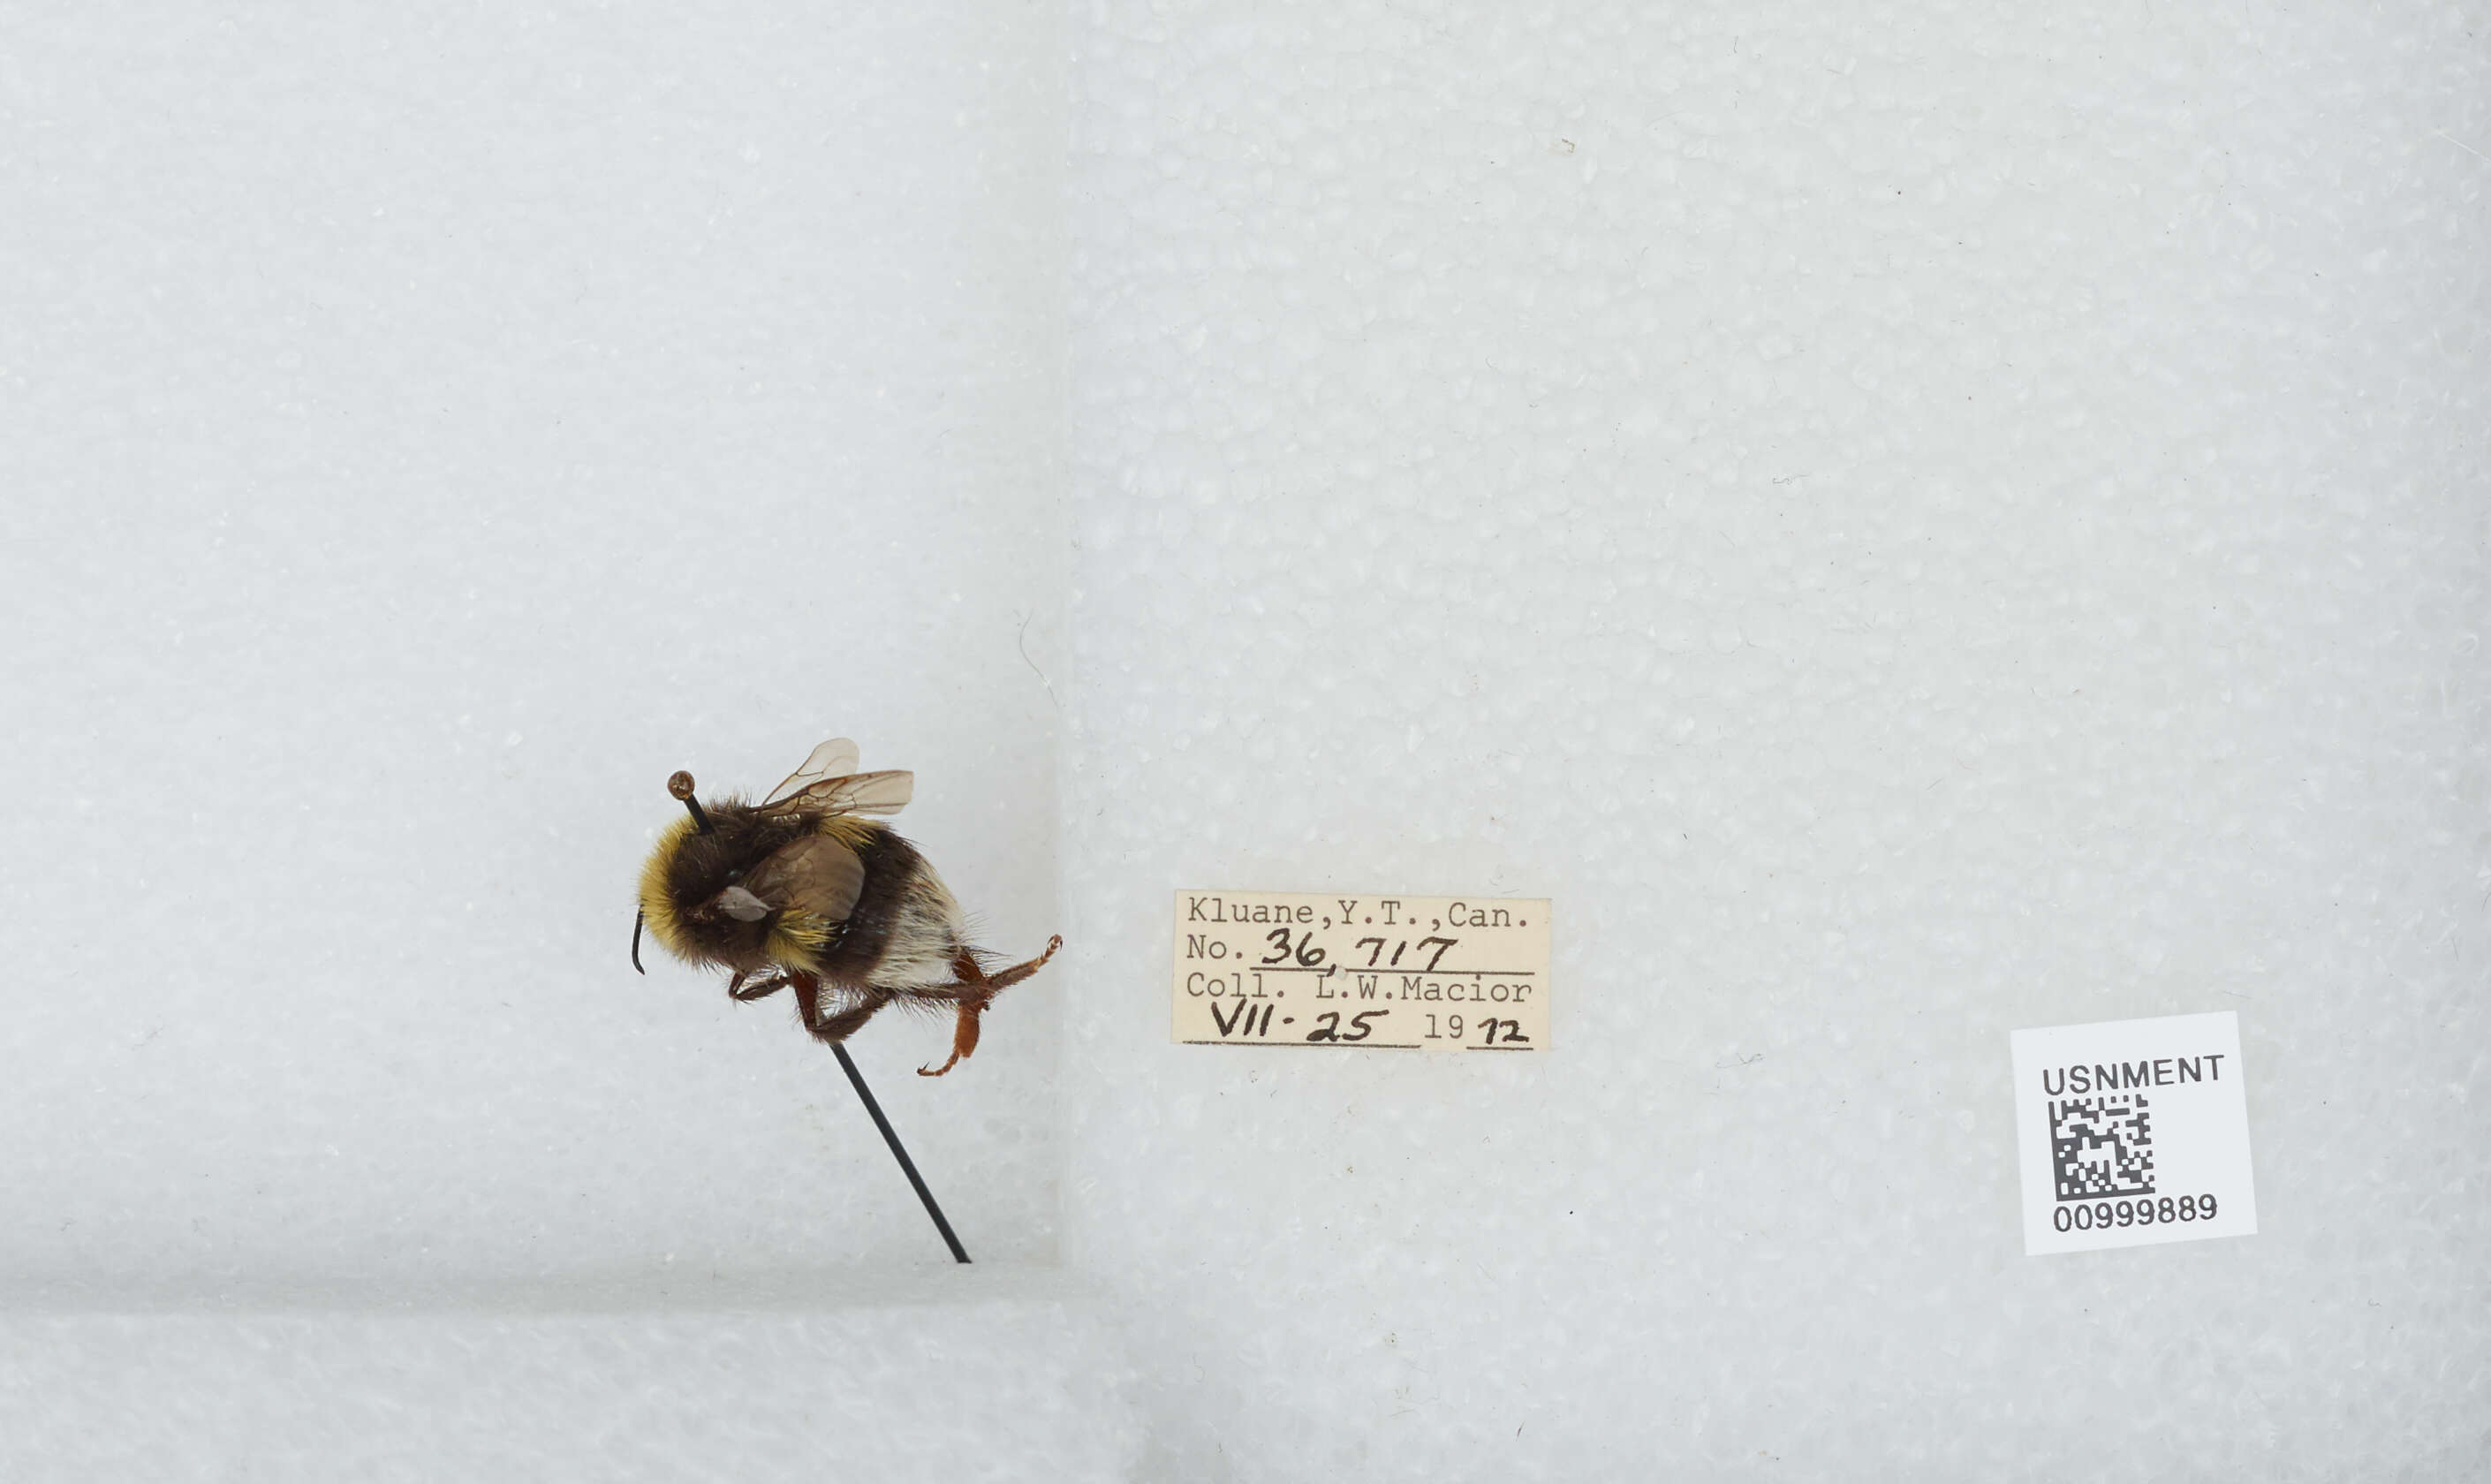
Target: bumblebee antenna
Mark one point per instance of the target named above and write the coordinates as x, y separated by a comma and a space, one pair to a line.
638, 920
681, 786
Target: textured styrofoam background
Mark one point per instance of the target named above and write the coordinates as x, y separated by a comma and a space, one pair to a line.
423, 432
787, 1392
1907, 523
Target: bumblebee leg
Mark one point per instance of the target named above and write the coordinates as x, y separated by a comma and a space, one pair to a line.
831, 1030
965, 1029
737, 989
1020, 972
969, 999
976, 991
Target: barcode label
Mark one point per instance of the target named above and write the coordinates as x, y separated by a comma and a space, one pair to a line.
2132, 1132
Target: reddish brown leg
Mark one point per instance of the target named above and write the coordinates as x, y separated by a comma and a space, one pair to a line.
1020, 972
831, 1030
971, 995
737, 989
976, 991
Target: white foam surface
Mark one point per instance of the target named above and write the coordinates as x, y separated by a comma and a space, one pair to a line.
1002, 1385
1906, 525
427, 434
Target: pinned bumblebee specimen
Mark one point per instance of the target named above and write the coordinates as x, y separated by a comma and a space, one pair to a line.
806, 891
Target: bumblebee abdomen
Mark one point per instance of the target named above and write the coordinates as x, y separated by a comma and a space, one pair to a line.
905, 930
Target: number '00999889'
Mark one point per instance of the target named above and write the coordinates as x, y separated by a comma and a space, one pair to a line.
2091, 1215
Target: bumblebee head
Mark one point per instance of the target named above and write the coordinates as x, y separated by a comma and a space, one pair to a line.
691, 895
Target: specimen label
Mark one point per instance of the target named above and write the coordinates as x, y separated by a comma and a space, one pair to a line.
1361, 971
2133, 1131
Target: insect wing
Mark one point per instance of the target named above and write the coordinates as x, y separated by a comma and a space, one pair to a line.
816, 875
863, 793
833, 759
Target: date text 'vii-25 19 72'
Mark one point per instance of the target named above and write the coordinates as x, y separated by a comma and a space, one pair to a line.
1368, 972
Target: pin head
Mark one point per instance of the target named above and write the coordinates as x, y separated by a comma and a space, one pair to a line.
681, 786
